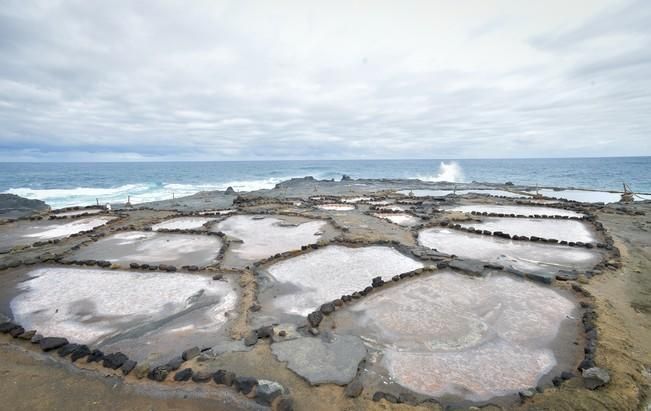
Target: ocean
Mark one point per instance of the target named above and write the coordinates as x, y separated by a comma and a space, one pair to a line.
68, 184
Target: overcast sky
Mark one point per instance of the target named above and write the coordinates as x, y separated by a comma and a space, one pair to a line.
226, 80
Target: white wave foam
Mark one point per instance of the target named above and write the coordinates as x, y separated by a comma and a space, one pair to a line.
69, 192
448, 172
138, 193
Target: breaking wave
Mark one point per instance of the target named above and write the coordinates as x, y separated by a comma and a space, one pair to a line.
449, 172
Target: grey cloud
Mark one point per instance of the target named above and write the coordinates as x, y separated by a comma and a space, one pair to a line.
222, 80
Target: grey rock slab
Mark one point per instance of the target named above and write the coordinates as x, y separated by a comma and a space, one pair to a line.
285, 332
321, 362
595, 377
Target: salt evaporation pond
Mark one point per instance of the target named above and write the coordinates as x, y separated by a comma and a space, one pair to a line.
182, 223
514, 209
586, 196
77, 212
473, 338
147, 247
28, 232
568, 230
399, 218
353, 200
336, 207
139, 313
443, 193
528, 257
396, 208
263, 237
301, 284
218, 212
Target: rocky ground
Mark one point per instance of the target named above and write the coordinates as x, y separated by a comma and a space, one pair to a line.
615, 295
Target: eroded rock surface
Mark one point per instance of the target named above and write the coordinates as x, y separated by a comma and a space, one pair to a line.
321, 362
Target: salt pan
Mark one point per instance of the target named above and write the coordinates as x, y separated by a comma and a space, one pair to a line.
327, 273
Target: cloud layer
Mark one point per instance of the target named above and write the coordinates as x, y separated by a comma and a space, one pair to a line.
220, 80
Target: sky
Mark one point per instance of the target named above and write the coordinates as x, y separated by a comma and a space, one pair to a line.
255, 80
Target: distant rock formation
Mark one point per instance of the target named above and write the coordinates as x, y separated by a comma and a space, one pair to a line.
13, 206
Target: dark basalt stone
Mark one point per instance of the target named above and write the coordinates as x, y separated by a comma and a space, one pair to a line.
128, 366
6, 327
224, 377
566, 375
265, 332
391, 398
354, 389
315, 318
244, 384
79, 352
267, 391
52, 343
327, 308
190, 353
16, 331
27, 335
586, 364
95, 356
114, 360
251, 338
378, 396
201, 376
183, 375
67, 350
158, 373
174, 364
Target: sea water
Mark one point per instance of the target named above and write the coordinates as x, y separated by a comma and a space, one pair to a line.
68, 184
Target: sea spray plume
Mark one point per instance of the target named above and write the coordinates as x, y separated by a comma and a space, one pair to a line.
448, 172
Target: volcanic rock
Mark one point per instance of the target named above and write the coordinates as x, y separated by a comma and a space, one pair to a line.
595, 377
183, 375
52, 343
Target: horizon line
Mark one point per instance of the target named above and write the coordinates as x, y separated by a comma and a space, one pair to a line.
324, 160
